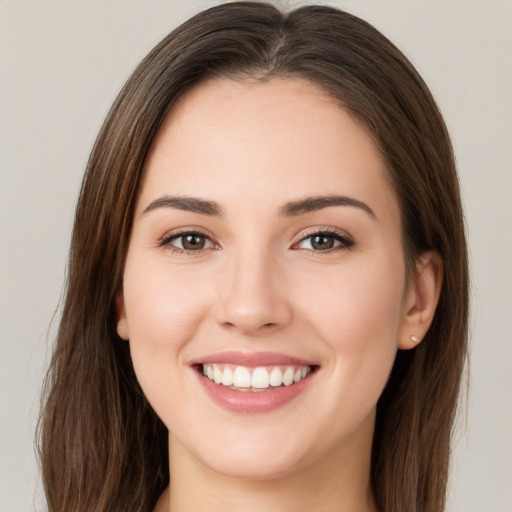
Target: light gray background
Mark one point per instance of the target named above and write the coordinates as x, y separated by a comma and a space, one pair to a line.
61, 65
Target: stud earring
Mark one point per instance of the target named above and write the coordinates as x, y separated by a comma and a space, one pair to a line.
414, 339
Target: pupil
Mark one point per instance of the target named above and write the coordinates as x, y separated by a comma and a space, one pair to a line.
322, 242
193, 242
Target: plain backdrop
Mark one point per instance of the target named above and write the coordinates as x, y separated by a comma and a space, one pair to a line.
61, 65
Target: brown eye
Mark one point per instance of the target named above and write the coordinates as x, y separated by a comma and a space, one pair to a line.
323, 242
189, 242
193, 242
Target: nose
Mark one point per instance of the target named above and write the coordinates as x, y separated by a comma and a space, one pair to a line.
253, 296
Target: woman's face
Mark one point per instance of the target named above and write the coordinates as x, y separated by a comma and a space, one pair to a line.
266, 249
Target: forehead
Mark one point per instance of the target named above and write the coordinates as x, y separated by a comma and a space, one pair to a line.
254, 143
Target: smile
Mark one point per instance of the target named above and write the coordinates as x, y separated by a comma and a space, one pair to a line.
250, 383
242, 378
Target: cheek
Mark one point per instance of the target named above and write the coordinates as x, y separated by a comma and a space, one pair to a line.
163, 311
357, 314
161, 306
369, 296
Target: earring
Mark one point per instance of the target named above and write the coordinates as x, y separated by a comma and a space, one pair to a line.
414, 339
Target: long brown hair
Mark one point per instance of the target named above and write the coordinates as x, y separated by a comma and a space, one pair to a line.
102, 447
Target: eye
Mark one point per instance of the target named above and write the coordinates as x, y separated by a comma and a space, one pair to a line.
324, 241
188, 241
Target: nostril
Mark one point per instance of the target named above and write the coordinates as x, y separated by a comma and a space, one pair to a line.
250, 326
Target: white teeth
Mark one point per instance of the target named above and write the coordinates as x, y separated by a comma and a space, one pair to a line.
242, 377
260, 378
217, 374
288, 376
247, 379
276, 377
227, 377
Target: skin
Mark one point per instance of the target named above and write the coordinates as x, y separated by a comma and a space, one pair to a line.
260, 285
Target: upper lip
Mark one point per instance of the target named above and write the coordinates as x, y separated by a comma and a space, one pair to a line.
251, 359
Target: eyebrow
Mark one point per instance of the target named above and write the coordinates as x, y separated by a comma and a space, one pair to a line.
312, 204
290, 209
189, 204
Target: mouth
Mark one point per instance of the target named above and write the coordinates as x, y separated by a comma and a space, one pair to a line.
253, 383
250, 379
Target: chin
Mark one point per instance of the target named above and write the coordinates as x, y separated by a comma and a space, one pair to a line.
250, 455
263, 467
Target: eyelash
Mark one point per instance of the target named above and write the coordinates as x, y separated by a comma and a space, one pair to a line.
169, 237
344, 241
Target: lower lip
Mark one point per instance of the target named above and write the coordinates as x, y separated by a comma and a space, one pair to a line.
252, 402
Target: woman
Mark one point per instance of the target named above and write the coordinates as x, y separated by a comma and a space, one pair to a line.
267, 288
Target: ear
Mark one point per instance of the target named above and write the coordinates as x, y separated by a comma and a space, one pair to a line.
421, 301
122, 321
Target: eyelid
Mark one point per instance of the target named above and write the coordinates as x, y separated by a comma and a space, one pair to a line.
165, 240
342, 236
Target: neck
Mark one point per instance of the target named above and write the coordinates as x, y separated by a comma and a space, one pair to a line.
339, 482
